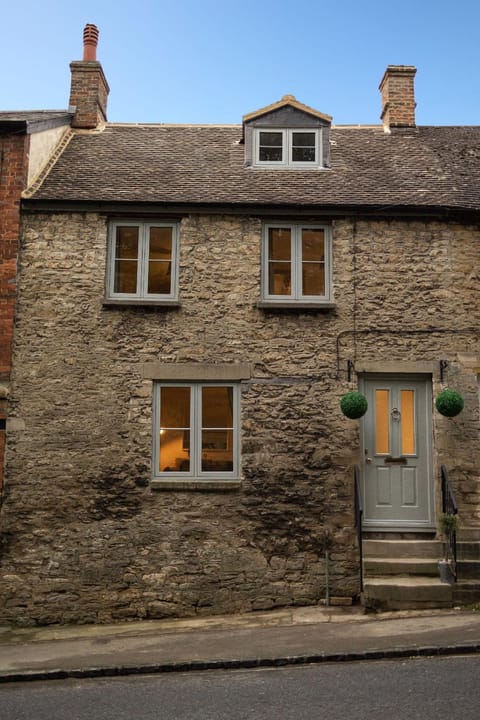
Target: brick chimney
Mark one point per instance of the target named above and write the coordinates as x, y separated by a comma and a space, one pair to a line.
89, 88
398, 96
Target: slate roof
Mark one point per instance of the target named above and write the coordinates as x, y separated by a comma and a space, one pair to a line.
418, 168
33, 120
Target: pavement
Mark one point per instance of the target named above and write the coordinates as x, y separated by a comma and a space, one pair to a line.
289, 636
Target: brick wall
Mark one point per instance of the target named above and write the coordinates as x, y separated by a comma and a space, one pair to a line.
85, 538
88, 94
398, 96
13, 178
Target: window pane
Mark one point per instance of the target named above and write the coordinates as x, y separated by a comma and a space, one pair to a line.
159, 277
303, 147
313, 244
174, 450
313, 279
279, 243
160, 243
217, 443
126, 260
382, 421
407, 409
217, 407
174, 407
271, 146
279, 278
125, 280
126, 242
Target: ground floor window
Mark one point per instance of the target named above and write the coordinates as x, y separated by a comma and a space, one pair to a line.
196, 430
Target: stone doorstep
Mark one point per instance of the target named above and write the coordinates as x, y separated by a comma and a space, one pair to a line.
397, 549
399, 592
400, 566
468, 569
468, 534
468, 550
466, 592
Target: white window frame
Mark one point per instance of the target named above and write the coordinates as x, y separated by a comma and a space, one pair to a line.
287, 139
195, 474
142, 294
296, 296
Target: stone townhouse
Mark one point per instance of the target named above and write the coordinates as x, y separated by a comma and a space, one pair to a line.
193, 303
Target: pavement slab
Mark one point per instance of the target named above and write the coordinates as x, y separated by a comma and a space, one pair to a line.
286, 636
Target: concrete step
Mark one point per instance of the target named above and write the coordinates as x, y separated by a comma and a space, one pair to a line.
468, 534
400, 566
466, 592
468, 569
406, 593
468, 550
396, 549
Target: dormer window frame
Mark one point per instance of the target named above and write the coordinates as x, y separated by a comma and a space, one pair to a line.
288, 148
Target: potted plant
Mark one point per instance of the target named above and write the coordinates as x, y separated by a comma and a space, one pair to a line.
448, 524
449, 402
353, 405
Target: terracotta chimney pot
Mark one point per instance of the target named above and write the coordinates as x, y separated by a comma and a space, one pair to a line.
90, 42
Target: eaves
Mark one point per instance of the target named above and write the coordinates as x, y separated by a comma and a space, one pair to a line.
124, 208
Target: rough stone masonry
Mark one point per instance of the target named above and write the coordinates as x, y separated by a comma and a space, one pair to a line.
84, 537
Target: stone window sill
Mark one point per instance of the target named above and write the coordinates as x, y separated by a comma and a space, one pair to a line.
145, 303
194, 484
295, 306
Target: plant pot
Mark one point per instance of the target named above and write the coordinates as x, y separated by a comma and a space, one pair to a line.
445, 572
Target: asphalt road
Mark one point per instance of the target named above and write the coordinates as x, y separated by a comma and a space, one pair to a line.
423, 688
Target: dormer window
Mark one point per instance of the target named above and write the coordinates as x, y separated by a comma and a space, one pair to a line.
288, 147
287, 134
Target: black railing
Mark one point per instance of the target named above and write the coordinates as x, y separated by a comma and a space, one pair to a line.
449, 510
358, 519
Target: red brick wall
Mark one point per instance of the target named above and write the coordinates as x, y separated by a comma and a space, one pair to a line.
13, 179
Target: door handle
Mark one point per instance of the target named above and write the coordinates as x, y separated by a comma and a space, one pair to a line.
368, 460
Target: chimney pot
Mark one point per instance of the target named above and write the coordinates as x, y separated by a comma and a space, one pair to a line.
90, 42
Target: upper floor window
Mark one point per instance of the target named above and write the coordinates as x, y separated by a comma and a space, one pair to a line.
143, 261
296, 263
287, 147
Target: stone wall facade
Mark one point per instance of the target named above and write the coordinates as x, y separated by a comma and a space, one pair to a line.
84, 537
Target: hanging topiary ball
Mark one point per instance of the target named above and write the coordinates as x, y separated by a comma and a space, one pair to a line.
449, 403
353, 405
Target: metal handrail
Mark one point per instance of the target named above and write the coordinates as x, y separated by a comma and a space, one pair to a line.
449, 507
358, 519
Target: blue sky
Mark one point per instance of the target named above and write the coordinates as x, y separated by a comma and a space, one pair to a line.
212, 61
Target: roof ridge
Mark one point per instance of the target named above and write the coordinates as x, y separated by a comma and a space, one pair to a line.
41, 176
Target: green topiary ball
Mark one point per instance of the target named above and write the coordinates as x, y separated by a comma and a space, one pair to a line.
449, 403
353, 405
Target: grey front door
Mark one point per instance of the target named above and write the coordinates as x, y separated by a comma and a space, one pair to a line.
397, 467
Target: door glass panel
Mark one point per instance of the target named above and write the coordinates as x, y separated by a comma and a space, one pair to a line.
407, 405
382, 422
